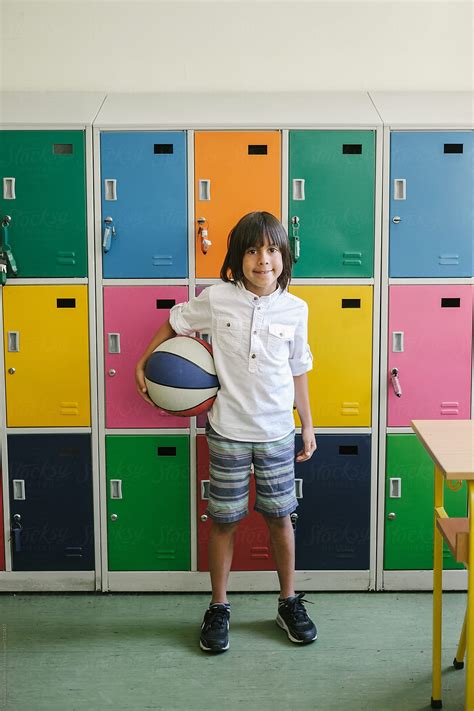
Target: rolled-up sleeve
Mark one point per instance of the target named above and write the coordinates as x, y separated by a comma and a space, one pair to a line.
191, 316
301, 358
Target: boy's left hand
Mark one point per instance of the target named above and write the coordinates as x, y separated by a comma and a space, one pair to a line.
309, 445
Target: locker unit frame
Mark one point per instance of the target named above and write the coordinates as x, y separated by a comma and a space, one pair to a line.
410, 111
236, 112
55, 111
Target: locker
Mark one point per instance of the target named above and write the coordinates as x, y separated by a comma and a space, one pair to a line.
409, 506
235, 173
430, 342
125, 340
148, 512
51, 502
252, 541
431, 189
46, 344
144, 204
331, 203
44, 192
2, 541
332, 531
340, 338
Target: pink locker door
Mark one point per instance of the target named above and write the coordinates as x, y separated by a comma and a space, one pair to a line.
132, 315
430, 341
252, 542
2, 542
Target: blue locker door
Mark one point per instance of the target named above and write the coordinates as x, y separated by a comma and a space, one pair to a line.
332, 531
51, 493
143, 184
431, 204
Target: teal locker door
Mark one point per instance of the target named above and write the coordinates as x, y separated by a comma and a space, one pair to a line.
409, 503
331, 196
44, 191
148, 511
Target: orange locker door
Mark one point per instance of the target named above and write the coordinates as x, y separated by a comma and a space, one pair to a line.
235, 173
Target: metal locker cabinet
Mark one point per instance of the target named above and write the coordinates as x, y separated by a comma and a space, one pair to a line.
409, 506
125, 340
431, 189
144, 192
332, 194
252, 541
340, 338
46, 344
429, 345
332, 531
51, 502
2, 541
44, 192
235, 173
148, 502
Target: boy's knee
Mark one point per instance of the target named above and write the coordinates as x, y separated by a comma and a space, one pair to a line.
277, 521
225, 528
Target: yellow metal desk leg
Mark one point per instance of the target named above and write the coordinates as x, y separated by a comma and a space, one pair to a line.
437, 594
458, 662
469, 706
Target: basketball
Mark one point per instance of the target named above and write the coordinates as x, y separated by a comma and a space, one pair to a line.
180, 376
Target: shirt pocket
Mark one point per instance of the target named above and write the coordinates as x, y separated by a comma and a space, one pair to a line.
280, 337
229, 334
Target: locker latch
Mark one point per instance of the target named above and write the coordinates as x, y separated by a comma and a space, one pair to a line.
397, 388
295, 237
7, 260
109, 232
16, 530
203, 234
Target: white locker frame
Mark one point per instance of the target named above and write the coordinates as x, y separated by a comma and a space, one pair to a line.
237, 112
55, 111
410, 111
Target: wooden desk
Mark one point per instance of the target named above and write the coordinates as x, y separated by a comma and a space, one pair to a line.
450, 444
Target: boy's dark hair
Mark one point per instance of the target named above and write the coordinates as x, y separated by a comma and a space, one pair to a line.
250, 231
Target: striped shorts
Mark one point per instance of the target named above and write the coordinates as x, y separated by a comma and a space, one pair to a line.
229, 476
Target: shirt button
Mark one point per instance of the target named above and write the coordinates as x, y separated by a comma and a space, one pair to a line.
258, 308
253, 355
255, 332
255, 298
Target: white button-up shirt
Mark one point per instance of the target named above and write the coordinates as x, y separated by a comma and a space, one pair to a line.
259, 343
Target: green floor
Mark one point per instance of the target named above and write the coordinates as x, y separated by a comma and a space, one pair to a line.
78, 652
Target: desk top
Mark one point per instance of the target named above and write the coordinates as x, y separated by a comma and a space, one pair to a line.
450, 443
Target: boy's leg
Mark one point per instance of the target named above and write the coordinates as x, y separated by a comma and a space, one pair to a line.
282, 539
221, 548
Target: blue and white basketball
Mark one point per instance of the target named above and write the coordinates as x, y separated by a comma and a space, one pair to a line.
180, 376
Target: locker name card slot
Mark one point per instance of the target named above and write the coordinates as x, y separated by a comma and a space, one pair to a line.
166, 451
163, 148
349, 449
350, 303
66, 303
62, 149
352, 149
165, 303
450, 303
453, 147
258, 150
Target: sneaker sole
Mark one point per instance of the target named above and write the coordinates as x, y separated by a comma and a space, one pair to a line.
281, 623
210, 649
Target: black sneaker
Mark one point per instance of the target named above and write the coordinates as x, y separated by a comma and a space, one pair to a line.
215, 629
293, 618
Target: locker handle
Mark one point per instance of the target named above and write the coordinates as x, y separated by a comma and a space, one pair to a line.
116, 489
19, 490
9, 189
13, 341
299, 488
114, 342
397, 388
110, 188
204, 190
109, 233
398, 342
400, 189
205, 490
395, 488
298, 189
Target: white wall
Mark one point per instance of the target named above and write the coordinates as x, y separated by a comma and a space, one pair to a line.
261, 45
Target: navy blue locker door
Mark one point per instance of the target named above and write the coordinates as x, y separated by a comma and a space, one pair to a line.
332, 531
50, 478
144, 192
431, 204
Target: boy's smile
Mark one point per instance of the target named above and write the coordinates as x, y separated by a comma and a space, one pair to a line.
261, 267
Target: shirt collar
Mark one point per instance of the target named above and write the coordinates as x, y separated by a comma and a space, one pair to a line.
250, 296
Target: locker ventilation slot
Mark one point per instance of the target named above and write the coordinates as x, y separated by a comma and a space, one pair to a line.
167, 451
260, 553
165, 303
450, 303
350, 408
167, 554
448, 259
352, 259
453, 147
160, 148
349, 449
258, 150
69, 408
66, 258
350, 303
66, 303
162, 260
450, 408
62, 149
73, 552
352, 148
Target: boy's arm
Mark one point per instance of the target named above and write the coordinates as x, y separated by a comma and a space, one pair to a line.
163, 334
304, 411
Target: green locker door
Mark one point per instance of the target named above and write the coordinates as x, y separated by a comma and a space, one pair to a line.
148, 511
44, 192
332, 193
409, 502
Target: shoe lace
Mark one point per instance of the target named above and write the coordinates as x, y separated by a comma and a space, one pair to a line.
297, 607
216, 618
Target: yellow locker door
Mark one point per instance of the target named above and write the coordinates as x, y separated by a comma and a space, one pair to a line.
235, 173
340, 338
47, 356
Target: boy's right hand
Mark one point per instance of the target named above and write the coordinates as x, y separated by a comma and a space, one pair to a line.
141, 385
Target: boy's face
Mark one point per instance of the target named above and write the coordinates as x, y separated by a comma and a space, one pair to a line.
261, 267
